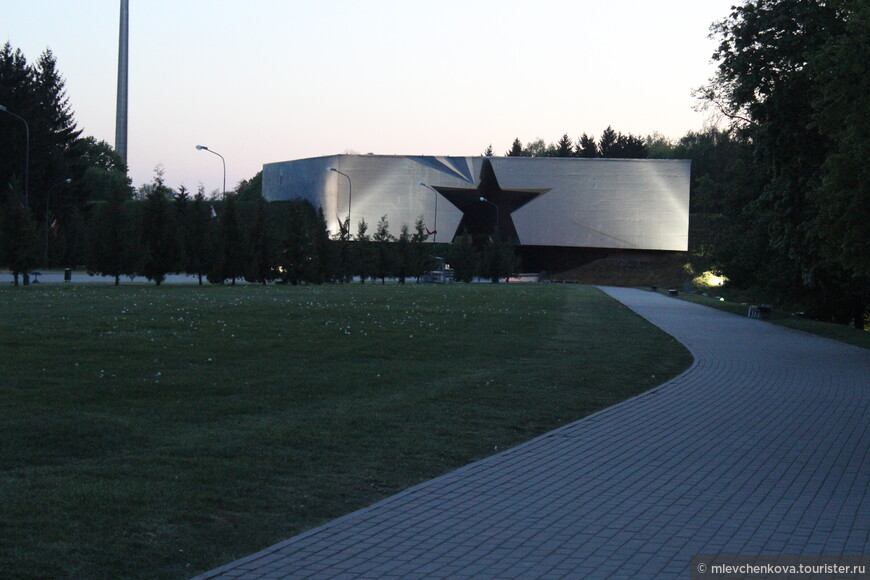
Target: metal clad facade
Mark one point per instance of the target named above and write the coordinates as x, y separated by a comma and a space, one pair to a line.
599, 203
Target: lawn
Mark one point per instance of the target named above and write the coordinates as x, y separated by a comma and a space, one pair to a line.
159, 432
735, 302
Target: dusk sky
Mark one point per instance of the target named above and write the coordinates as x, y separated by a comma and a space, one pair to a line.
271, 80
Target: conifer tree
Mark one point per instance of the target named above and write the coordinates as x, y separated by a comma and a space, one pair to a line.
160, 233
564, 147
362, 253
586, 147
384, 250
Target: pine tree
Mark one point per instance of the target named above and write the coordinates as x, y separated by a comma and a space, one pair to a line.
232, 242
629, 147
17, 94
323, 259
422, 251
18, 238
385, 259
564, 147
199, 249
160, 233
586, 147
463, 258
516, 149
259, 246
362, 257
110, 240
404, 254
607, 142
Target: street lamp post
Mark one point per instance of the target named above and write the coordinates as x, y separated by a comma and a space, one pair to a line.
349, 195
484, 200
204, 148
47, 202
26, 153
434, 225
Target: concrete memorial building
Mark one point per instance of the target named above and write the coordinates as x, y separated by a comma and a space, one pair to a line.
552, 208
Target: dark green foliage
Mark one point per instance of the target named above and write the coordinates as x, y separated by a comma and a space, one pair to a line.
384, 251
586, 147
113, 236
538, 148
724, 234
659, 146
296, 245
325, 263
304, 248
362, 254
611, 144
231, 261
259, 267
33, 153
463, 258
18, 236
516, 149
629, 147
564, 147
617, 145
498, 260
422, 252
842, 105
404, 255
607, 142
251, 190
787, 80
161, 240
197, 227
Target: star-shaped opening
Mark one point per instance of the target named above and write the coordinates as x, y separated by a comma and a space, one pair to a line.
490, 217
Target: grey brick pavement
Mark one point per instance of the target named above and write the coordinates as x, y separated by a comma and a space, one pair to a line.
761, 447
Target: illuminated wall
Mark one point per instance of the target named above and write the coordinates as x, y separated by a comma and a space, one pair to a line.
532, 201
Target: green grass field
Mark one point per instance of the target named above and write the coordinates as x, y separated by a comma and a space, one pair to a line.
159, 432
737, 304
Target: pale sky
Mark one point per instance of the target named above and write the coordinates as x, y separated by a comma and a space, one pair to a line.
261, 81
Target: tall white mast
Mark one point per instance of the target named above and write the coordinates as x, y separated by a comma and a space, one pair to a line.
121, 110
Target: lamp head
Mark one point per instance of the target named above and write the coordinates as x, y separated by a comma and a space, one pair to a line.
483, 199
201, 147
332, 169
2, 107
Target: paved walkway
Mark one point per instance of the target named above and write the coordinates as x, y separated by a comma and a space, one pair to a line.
761, 447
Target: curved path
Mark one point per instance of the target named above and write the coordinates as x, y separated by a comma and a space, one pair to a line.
761, 447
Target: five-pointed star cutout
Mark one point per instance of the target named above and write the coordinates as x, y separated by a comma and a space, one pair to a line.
482, 220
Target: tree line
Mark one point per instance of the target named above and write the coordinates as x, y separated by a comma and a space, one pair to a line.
779, 185
791, 84
611, 144
76, 207
159, 231
779, 199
